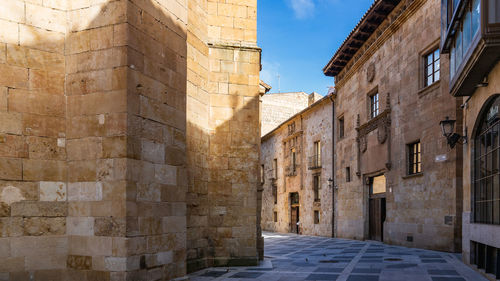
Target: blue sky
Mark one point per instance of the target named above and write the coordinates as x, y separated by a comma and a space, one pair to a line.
298, 38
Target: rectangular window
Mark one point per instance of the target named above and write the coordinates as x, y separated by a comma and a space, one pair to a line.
291, 128
275, 194
275, 168
294, 160
262, 174
414, 158
432, 67
316, 217
374, 105
317, 154
316, 187
341, 127
347, 174
275, 216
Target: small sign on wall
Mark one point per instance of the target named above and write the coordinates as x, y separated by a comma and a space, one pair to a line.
441, 158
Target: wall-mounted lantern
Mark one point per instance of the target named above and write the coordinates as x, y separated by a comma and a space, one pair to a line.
447, 127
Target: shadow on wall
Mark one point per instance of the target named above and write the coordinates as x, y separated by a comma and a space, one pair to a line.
93, 148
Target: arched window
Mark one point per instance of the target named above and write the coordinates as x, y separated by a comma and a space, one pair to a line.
486, 162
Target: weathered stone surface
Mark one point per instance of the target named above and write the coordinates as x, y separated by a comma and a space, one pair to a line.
39, 209
109, 226
39, 226
52, 191
79, 262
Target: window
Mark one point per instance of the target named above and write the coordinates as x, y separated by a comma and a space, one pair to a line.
316, 217
432, 67
486, 177
316, 187
291, 128
262, 174
275, 216
414, 158
294, 160
341, 127
275, 168
315, 159
275, 194
374, 105
347, 174
485, 257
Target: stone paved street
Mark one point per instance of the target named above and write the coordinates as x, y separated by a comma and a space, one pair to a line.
292, 258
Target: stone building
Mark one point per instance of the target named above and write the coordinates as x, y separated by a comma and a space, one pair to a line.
397, 179
473, 51
278, 107
296, 163
129, 138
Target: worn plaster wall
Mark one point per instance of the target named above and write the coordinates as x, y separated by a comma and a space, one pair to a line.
417, 206
314, 124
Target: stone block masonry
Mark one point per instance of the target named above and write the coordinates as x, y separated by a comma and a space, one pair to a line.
114, 131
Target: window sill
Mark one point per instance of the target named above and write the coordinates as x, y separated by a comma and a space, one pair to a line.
427, 89
412, 176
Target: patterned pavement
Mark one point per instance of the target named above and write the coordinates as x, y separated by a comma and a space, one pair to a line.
290, 257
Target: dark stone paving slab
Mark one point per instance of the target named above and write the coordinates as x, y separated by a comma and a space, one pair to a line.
213, 273
329, 269
322, 277
363, 278
442, 272
367, 270
249, 275
447, 279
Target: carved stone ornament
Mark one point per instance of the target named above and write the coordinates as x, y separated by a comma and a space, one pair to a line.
370, 72
362, 144
382, 133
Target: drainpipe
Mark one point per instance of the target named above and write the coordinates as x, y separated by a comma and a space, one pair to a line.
333, 163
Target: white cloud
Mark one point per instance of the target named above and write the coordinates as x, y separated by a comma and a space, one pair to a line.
302, 8
269, 74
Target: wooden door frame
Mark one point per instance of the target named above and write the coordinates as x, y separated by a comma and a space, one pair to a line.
366, 199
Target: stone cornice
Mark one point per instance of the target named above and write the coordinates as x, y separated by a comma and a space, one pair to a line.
383, 118
352, 68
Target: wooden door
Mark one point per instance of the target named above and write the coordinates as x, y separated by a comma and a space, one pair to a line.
294, 219
376, 208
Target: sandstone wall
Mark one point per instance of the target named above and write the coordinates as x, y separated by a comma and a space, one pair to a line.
418, 206
98, 112
223, 94
313, 125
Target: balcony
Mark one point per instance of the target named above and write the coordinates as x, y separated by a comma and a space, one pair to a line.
314, 162
470, 35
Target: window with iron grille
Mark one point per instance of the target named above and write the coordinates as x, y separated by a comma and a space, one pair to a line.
275, 216
316, 187
275, 194
432, 67
374, 105
347, 174
414, 158
341, 127
262, 174
316, 217
486, 178
275, 168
